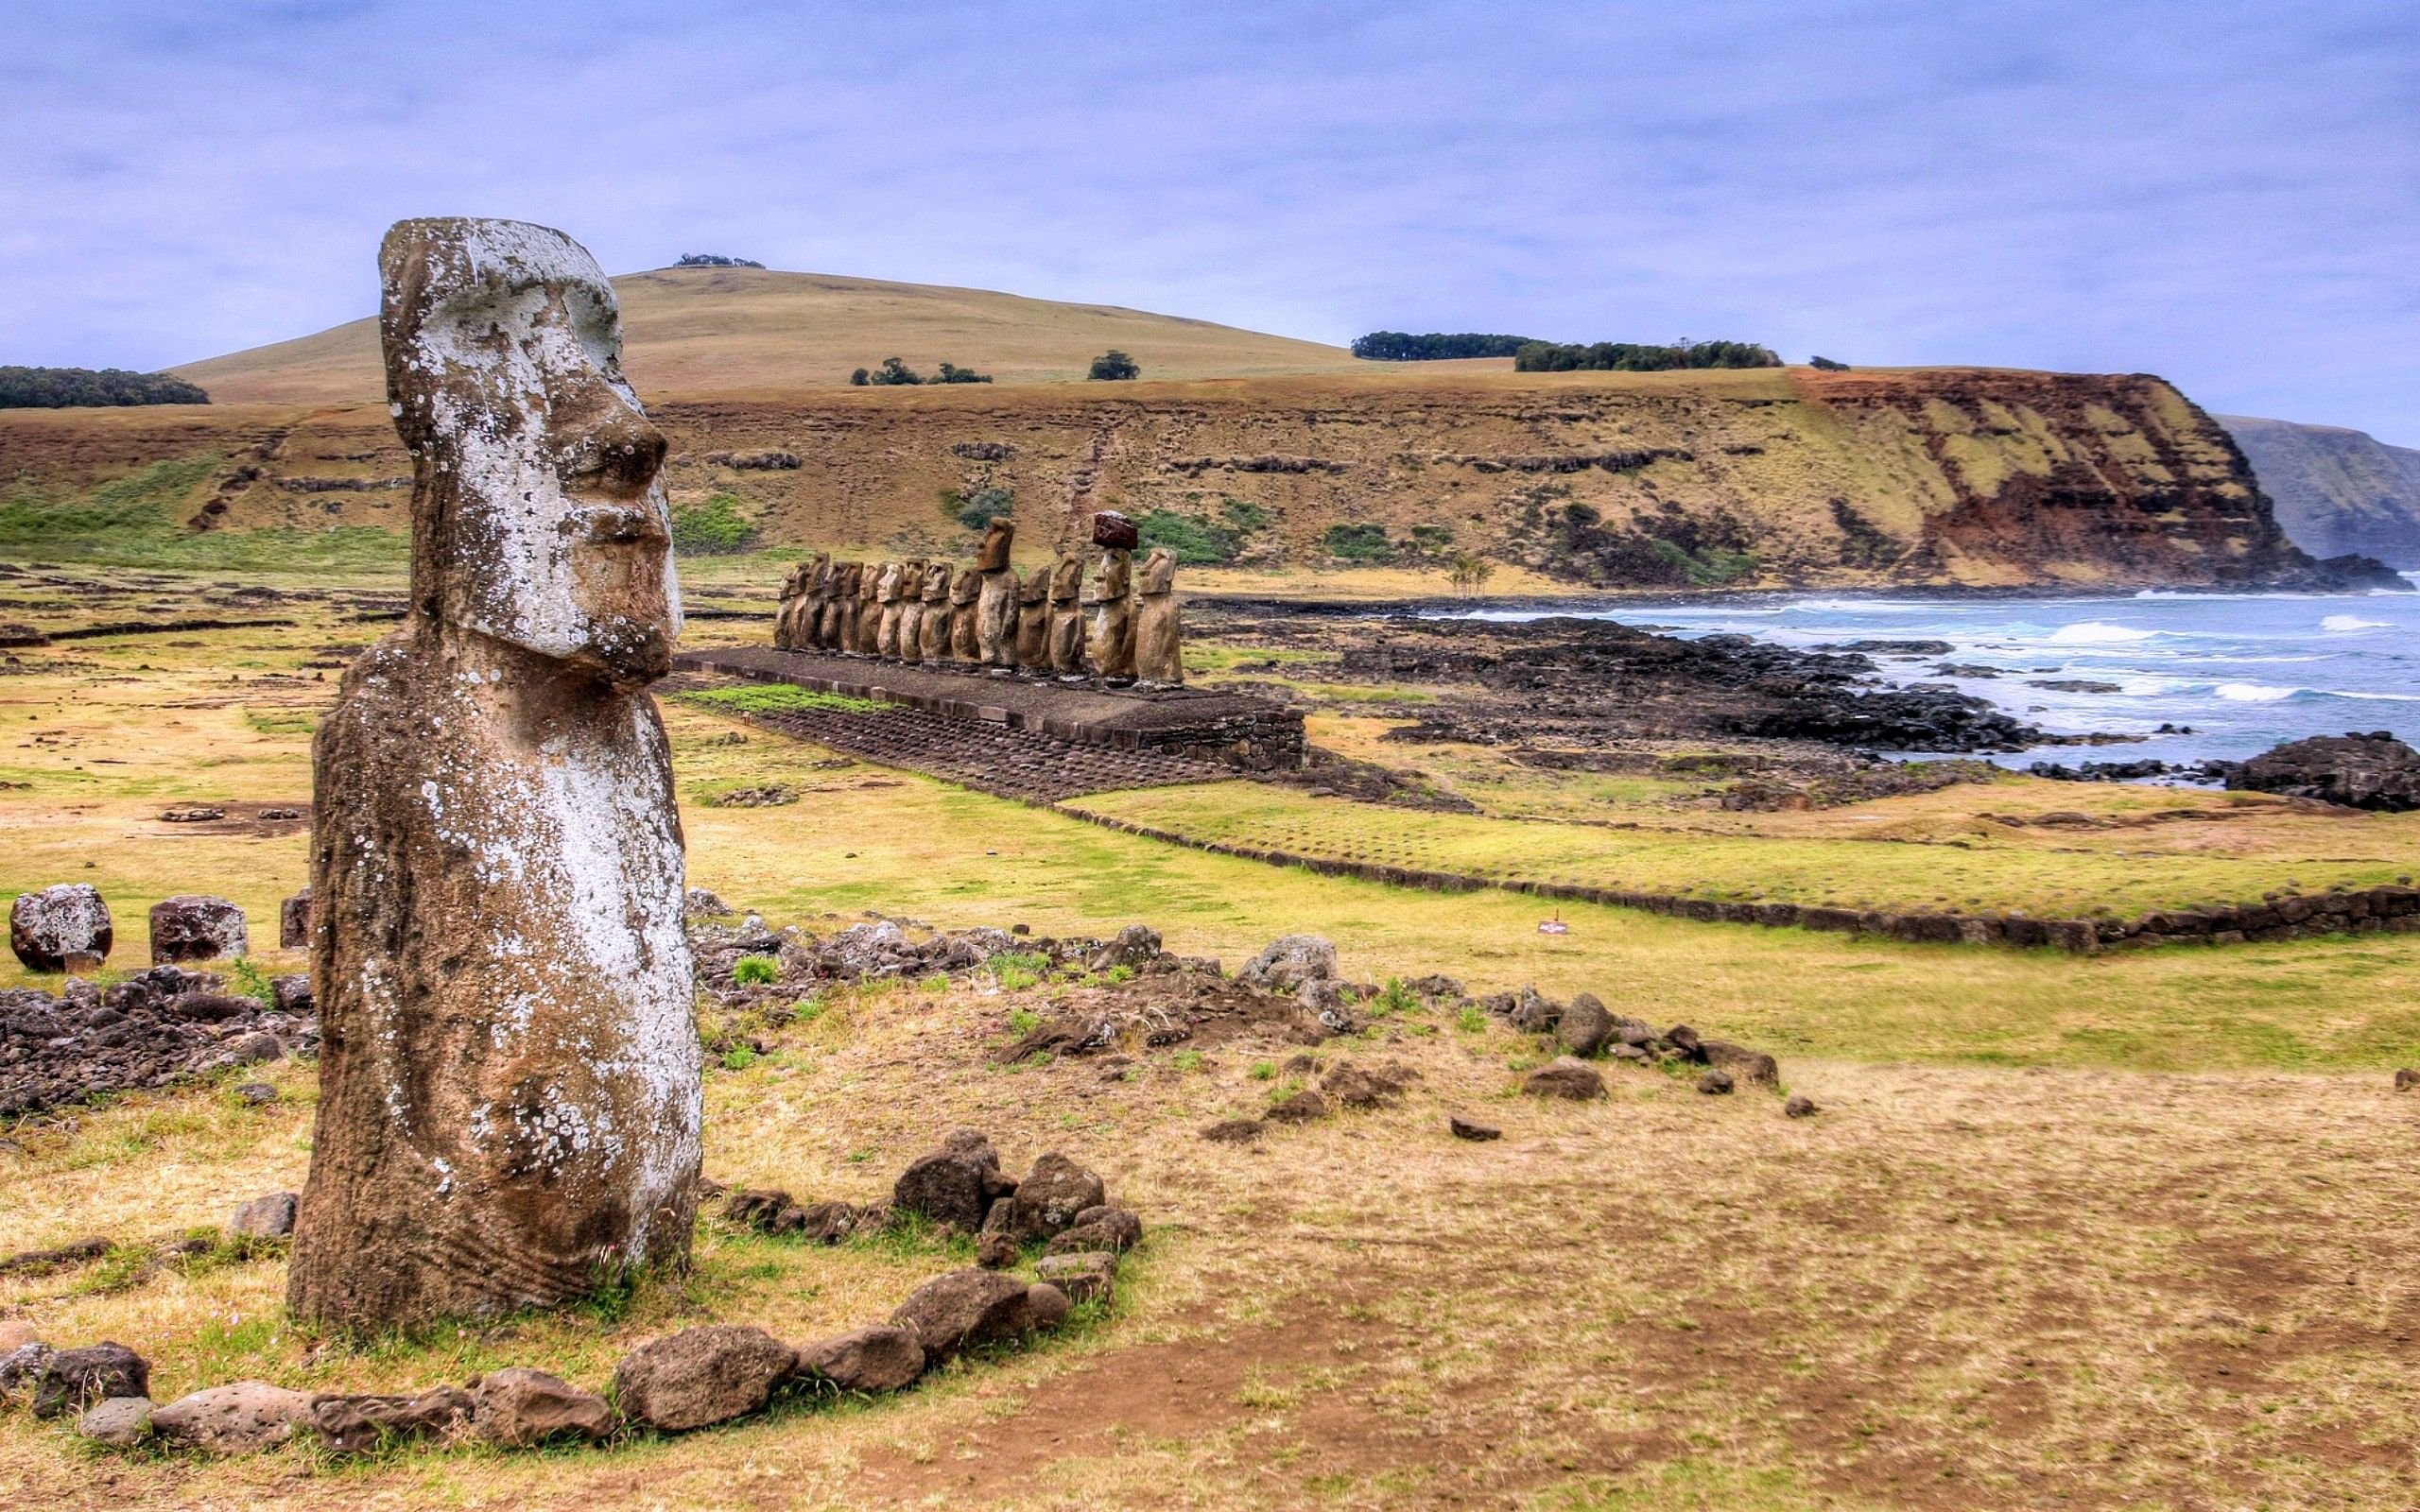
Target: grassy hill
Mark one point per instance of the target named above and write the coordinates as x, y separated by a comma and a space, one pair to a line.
715, 330
2336, 490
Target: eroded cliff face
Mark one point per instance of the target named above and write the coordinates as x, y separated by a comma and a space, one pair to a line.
1767, 478
2336, 490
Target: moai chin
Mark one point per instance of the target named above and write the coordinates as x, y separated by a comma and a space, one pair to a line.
508, 1077
1033, 621
932, 631
965, 646
1067, 617
1159, 657
995, 607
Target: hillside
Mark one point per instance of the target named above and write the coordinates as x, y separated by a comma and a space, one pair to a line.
2336, 490
1753, 478
723, 329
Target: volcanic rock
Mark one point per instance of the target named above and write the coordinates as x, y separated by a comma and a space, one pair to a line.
702, 1376
265, 1217
1584, 1026
1471, 1128
1083, 1275
1136, 947
2372, 771
1234, 1131
196, 927
1715, 1083
72, 1379
1046, 1201
1105, 1227
963, 1309
120, 1423
1799, 1106
69, 922
361, 1425
237, 1418
1046, 1306
880, 1358
1564, 1077
1288, 962
956, 1185
1746, 1064
516, 1408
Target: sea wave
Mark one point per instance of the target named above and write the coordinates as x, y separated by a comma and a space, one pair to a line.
2098, 632
2253, 691
2351, 624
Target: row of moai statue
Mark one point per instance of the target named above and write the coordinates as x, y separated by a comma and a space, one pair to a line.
1118, 625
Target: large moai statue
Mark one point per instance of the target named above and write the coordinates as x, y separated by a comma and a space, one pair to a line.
966, 590
995, 607
1067, 617
1111, 642
911, 645
932, 638
864, 620
832, 628
786, 617
1033, 621
1159, 652
508, 1077
804, 635
891, 596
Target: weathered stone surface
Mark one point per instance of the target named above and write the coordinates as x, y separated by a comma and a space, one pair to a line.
1046, 1306
362, 1425
963, 1309
239, 1418
1082, 1273
265, 1217
1536, 1013
880, 1358
1159, 638
1032, 652
1741, 1062
1288, 962
702, 1376
1048, 1200
20, 1369
294, 922
1584, 1026
1715, 1083
1114, 1229
953, 1186
1066, 616
1800, 1105
1136, 947
1234, 1131
68, 1381
2372, 771
1566, 1078
120, 1423
48, 927
510, 1096
196, 927
1471, 1128
517, 1407
1109, 639
2406, 1078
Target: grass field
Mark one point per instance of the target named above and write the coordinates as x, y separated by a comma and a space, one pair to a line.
2067, 1231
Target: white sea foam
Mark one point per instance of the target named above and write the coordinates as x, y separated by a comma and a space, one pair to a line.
2351, 624
2252, 692
2098, 632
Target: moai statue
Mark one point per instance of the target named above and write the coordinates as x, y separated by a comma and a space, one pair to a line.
1067, 618
891, 595
1032, 652
832, 627
996, 609
913, 578
865, 627
964, 645
509, 1067
1110, 642
808, 635
933, 630
786, 617
1159, 659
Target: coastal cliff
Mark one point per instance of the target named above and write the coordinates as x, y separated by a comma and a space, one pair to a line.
2336, 490
1611, 481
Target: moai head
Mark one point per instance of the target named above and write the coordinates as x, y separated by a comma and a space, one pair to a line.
1035, 588
936, 578
819, 572
998, 538
1117, 572
538, 518
1066, 578
845, 579
795, 583
1159, 573
967, 588
869, 580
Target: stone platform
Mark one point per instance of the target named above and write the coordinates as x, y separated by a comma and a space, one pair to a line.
1229, 730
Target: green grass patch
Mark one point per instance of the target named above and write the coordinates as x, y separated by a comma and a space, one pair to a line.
780, 698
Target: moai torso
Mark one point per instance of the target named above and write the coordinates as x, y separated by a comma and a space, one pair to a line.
832, 628
914, 580
891, 597
509, 1079
865, 627
964, 592
995, 607
1159, 657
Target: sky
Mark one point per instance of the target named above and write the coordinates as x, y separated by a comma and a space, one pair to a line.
2225, 193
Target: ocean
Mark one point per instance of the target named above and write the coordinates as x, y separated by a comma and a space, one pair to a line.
2242, 671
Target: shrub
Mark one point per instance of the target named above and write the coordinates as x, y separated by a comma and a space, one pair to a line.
1401, 346
756, 970
895, 372
860, 378
1359, 543
1193, 540
61, 387
1624, 356
1827, 365
1113, 365
1469, 571
713, 528
951, 374
980, 509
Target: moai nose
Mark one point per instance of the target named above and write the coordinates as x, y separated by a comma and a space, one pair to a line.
608, 445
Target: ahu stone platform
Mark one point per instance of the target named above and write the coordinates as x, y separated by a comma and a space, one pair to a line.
1023, 737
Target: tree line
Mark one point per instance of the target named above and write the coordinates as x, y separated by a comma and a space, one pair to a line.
1437, 346
67, 388
1627, 357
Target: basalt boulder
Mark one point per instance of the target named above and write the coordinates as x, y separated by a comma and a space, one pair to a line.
1046, 1203
241, 1417
518, 1408
196, 927
964, 1308
362, 1425
1288, 962
57, 927
880, 1358
702, 1376
2360, 772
